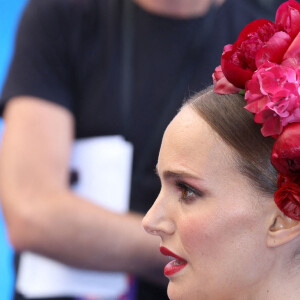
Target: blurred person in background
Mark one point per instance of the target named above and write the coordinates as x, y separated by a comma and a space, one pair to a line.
101, 68
228, 212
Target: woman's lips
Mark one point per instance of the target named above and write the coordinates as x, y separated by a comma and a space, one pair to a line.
175, 265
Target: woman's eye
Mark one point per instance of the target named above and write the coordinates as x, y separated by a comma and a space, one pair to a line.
187, 192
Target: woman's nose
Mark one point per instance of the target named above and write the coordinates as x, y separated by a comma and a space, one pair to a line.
157, 221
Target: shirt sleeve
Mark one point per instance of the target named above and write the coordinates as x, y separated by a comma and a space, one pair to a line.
42, 64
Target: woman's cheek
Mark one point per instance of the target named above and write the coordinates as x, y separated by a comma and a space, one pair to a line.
198, 233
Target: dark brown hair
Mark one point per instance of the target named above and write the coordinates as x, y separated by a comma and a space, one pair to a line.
235, 125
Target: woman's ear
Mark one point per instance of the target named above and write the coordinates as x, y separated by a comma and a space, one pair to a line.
282, 230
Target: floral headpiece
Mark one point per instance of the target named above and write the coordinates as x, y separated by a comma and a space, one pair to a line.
264, 65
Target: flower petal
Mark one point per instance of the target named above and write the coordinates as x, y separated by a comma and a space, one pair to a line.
252, 27
274, 49
293, 52
235, 74
222, 85
288, 17
286, 150
287, 199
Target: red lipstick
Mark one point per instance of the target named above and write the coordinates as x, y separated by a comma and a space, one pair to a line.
176, 264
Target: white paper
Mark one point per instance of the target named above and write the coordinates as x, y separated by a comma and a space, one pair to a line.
104, 168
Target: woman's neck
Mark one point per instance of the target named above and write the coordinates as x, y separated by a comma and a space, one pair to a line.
283, 290
182, 9
282, 283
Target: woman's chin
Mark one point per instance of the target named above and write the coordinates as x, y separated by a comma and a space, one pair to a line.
180, 291
175, 293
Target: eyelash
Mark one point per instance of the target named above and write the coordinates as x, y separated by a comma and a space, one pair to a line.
185, 189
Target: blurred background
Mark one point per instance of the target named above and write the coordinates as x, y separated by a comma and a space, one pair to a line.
10, 11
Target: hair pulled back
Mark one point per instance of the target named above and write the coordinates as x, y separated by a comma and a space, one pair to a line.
234, 124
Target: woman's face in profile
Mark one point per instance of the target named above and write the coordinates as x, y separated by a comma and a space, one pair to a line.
207, 215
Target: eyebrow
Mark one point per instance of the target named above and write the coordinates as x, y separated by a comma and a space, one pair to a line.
171, 174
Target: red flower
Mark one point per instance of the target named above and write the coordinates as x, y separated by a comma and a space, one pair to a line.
288, 179
259, 42
287, 197
222, 85
286, 151
238, 60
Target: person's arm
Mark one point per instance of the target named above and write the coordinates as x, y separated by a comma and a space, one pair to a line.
42, 213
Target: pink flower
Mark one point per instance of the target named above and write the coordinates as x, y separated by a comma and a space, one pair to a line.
273, 95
